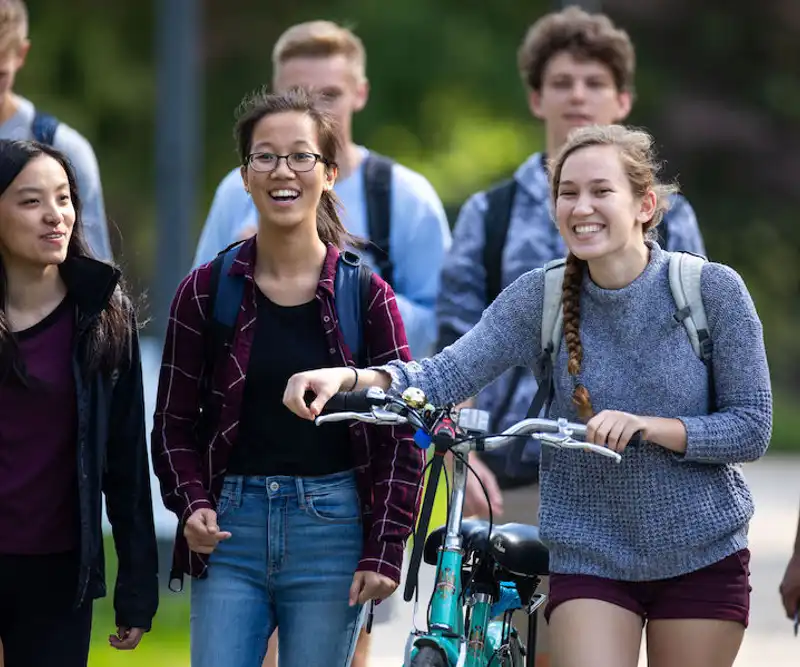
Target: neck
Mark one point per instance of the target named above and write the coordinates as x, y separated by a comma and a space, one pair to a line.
31, 287
286, 253
553, 144
8, 107
620, 269
348, 159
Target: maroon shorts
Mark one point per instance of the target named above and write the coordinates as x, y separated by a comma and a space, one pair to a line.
719, 591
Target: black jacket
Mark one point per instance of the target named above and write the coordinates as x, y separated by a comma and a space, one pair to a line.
112, 458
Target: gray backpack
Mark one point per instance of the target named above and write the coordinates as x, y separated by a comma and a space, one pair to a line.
684, 281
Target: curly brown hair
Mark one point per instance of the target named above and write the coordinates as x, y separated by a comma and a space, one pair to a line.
635, 148
586, 36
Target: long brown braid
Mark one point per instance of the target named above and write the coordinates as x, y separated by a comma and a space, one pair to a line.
571, 305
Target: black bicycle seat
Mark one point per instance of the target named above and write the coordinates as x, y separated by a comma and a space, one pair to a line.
515, 547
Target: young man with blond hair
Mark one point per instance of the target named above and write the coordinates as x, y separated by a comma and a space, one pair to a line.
20, 119
393, 207
577, 69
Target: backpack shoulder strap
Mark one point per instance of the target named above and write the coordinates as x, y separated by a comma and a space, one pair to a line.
552, 325
552, 313
365, 286
352, 281
685, 271
224, 301
496, 221
378, 189
44, 127
227, 292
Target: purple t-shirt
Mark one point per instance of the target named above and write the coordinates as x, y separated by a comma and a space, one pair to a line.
38, 432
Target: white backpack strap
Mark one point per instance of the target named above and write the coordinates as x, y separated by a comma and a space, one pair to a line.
552, 313
685, 270
551, 336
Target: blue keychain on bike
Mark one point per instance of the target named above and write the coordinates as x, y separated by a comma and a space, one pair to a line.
422, 439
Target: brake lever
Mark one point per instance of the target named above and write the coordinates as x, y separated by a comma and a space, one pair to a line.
568, 442
376, 416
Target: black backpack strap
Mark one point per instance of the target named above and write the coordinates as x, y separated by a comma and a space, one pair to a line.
663, 233
378, 188
365, 287
500, 199
224, 301
348, 299
44, 127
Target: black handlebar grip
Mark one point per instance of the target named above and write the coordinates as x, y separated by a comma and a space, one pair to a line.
348, 401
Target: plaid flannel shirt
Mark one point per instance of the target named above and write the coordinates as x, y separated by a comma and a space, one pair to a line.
387, 463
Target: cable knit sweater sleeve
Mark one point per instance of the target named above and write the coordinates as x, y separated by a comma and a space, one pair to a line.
508, 334
740, 428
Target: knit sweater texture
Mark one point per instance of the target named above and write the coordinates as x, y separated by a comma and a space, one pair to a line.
657, 514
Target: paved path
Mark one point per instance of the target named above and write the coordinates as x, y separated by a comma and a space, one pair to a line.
769, 642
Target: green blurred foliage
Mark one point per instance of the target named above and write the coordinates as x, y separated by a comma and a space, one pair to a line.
717, 84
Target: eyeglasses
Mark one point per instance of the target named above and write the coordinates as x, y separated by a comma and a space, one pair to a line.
298, 162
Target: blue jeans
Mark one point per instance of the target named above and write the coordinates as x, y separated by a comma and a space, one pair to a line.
295, 546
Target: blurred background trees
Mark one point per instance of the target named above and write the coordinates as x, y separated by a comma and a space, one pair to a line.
718, 84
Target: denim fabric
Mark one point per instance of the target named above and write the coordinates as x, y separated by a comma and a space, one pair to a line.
295, 546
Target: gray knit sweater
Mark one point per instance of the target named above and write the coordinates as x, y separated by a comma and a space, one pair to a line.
656, 514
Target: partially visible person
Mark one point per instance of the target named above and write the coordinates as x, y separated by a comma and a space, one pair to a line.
790, 586
20, 119
72, 425
578, 69
656, 543
394, 207
285, 525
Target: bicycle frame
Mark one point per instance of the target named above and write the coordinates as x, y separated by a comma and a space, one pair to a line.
478, 644
464, 647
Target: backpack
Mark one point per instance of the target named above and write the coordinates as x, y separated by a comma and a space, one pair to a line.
684, 281
44, 127
351, 287
378, 191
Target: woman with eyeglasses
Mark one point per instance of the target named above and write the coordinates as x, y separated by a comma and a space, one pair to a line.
283, 524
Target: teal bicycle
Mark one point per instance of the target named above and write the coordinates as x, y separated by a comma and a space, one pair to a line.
483, 572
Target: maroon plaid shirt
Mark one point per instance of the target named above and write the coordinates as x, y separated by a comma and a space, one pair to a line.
388, 464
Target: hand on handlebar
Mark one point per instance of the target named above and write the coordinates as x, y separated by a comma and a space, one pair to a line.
614, 429
322, 383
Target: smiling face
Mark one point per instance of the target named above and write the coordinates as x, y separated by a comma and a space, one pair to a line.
597, 212
37, 215
287, 191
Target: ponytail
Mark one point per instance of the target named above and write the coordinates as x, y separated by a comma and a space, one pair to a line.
329, 225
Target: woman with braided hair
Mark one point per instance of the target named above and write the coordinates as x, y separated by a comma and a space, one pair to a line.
660, 539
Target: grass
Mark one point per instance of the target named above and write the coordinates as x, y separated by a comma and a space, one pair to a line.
167, 645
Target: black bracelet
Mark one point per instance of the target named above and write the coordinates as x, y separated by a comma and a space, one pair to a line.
355, 382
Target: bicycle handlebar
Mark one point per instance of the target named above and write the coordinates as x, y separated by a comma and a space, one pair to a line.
373, 406
448, 431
